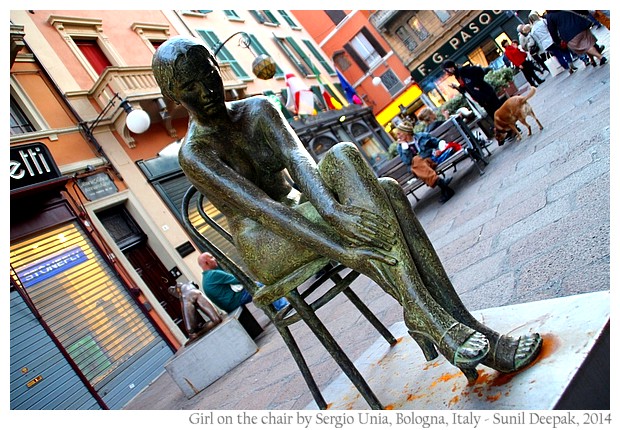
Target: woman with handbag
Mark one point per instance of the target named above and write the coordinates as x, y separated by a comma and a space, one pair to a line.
529, 45
541, 36
573, 28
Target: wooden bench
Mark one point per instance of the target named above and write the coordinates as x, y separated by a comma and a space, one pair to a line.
453, 129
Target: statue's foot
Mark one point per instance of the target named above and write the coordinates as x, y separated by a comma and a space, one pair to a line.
510, 354
426, 345
463, 347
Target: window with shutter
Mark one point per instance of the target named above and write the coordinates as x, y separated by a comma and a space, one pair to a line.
264, 17
288, 19
319, 57
293, 55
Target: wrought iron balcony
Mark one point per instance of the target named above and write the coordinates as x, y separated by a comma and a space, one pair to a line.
382, 17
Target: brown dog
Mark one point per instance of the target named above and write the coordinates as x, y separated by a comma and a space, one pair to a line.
516, 108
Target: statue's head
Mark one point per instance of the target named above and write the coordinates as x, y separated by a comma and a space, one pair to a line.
179, 58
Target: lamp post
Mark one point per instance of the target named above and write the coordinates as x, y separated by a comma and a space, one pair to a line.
263, 65
137, 120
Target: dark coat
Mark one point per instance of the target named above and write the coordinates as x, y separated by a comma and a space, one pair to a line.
565, 25
472, 77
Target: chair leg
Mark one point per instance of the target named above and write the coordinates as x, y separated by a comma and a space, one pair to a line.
302, 365
387, 335
321, 332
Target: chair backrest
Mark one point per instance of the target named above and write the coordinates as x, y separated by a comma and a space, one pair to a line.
202, 241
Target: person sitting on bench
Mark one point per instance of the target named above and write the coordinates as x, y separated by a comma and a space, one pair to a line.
416, 151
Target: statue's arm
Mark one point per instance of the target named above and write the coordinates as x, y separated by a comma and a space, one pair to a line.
220, 183
360, 226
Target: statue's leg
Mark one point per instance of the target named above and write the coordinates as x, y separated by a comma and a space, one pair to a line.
348, 175
507, 353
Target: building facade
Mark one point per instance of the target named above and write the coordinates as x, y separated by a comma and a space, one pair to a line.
96, 235
424, 39
364, 57
84, 333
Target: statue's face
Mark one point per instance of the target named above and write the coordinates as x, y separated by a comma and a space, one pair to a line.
197, 83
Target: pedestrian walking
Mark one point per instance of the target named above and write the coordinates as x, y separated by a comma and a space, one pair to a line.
521, 62
471, 80
529, 45
572, 29
540, 34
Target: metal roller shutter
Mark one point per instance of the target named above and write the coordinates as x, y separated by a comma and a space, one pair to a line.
90, 312
41, 377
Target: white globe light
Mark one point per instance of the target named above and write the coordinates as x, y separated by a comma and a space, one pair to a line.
138, 121
376, 81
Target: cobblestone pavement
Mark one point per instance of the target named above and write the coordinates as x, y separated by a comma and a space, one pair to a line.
535, 226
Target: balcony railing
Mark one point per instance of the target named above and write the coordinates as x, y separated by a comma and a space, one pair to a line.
138, 83
381, 17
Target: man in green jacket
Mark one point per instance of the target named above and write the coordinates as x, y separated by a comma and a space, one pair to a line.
223, 289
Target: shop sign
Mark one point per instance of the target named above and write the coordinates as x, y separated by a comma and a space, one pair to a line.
455, 43
50, 266
31, 164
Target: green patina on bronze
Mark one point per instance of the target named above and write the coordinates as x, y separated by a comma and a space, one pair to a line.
237, 155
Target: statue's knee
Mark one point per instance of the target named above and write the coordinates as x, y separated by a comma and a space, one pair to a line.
391, 185
340, 151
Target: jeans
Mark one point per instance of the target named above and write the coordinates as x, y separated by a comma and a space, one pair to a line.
247, 298
563, 56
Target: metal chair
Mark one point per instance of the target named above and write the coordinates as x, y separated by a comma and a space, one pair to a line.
300, 307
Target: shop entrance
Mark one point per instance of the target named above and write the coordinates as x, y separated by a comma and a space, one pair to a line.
133, 242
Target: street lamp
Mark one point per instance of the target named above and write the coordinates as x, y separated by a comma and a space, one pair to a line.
263, 65
138, 121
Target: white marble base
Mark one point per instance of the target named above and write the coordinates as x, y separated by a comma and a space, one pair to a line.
573, 330
204, 361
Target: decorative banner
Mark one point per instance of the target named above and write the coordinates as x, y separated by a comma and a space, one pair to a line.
300, 99
348, 89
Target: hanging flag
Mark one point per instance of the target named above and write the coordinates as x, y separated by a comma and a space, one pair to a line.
300, 99
336, 103
330, 101
348, 89
326, 96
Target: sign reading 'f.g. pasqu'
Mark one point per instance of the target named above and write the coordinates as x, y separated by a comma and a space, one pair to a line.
31, 164
456, 42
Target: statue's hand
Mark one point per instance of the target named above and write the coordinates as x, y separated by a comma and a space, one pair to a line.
362, 228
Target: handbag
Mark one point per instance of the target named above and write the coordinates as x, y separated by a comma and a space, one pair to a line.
553, 65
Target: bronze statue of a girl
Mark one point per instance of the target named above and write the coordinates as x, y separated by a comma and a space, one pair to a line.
236, 154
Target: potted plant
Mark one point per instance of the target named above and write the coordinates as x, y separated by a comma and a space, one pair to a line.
502, 81
452, 105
